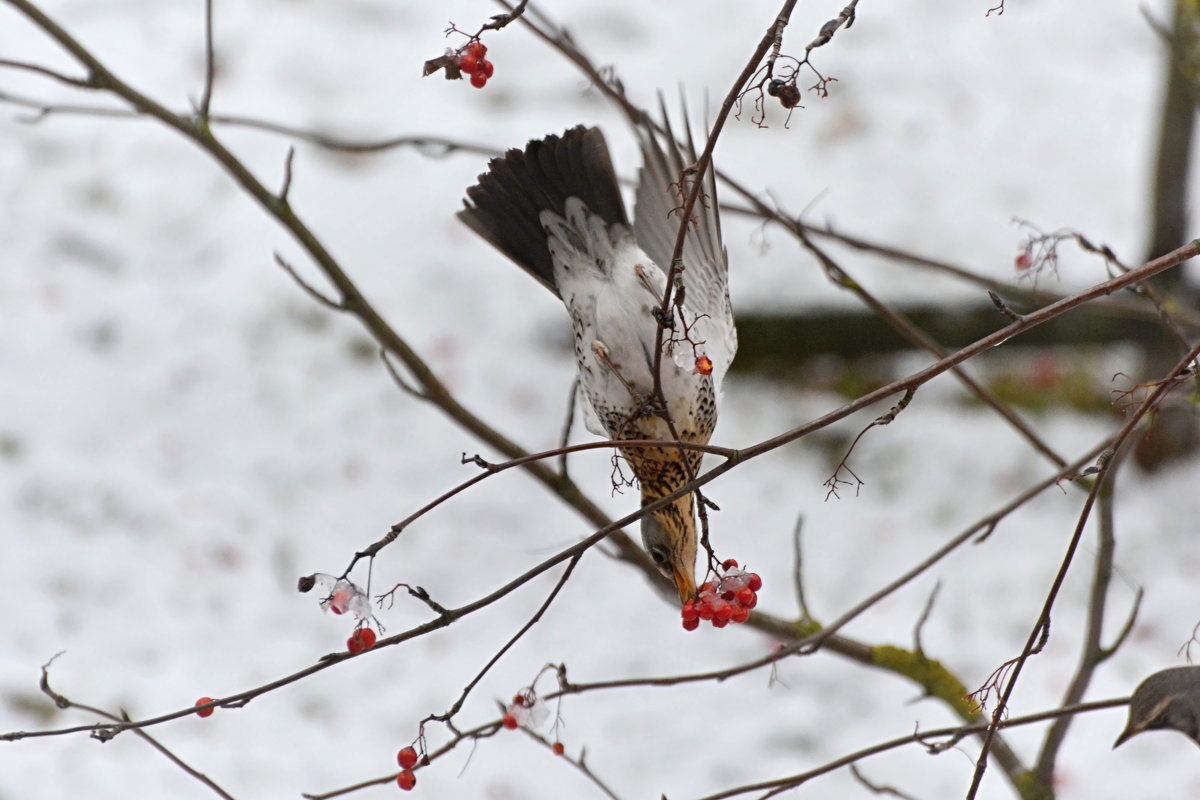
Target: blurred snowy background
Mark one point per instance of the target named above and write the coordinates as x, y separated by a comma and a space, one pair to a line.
183, 432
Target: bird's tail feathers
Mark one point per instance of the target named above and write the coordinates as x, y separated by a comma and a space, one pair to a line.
504, 207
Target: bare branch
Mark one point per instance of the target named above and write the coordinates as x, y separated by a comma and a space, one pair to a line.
37, 69
778, 785
798, 568
308, 288
562, 581
209, 67
287, 175
1041, 628
64, 702
921, 620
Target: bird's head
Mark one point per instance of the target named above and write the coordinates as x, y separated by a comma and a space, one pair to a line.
669, 536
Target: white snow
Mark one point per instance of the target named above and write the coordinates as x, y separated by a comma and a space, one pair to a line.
185, 433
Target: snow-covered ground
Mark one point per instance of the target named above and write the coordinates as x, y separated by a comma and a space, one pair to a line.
183, 432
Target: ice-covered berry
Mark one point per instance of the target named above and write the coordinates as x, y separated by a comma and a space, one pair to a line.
510, 721
726, 599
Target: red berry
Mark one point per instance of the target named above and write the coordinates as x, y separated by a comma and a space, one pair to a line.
476, 49
1023, 261
356, 643
510, 721
486, 67
719, 623
708, 587
730, 563
755, 582
519, 700
746, 597
704, 365
468, 64
335, 608
705, 611
558, 748
479, 80
406, 780
691, 624
689, 611
407, 757
368, 637
208, 711
723, 612
728, 595
740, 614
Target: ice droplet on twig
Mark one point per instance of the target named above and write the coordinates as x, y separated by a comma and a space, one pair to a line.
528, 709
341, 596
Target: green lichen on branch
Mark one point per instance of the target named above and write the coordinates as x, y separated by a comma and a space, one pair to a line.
1030, 788
930, 674
805, 627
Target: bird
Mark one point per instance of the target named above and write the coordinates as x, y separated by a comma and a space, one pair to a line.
1169, 698
555, 209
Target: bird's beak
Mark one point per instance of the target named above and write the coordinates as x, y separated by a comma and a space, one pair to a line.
1125, 736
685, 583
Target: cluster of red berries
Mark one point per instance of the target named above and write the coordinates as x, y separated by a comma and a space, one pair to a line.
723, 601
472, 62
407, 759
362, 639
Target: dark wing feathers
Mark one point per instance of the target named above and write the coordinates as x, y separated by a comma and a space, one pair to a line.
504, 206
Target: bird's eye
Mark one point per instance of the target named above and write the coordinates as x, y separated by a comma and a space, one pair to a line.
659, 554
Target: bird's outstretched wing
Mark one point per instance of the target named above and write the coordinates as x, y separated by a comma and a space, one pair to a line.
657, 217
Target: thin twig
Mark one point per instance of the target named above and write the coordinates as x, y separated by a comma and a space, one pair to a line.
287, 175
875, 788
562, 581
64, 702
397, 378
37, 69
921, 620
798, 568
567, 422
209, 65
1093, 652
923, 738
308, 288
1041, 628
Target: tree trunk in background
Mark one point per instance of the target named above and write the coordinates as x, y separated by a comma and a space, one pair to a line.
1176, 429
